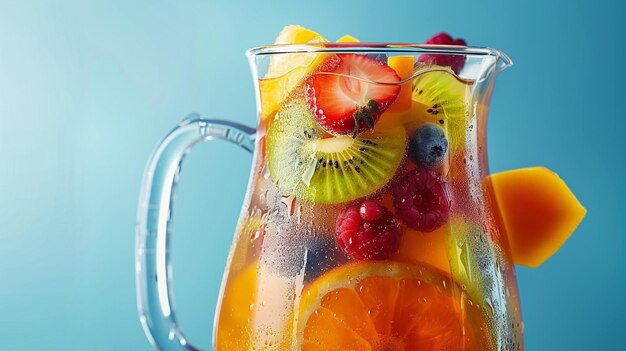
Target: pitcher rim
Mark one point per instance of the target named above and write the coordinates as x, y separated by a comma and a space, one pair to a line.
398, 48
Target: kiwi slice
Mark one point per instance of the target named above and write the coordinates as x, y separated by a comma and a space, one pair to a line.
475, 261
304, 161
446, 99
443, 92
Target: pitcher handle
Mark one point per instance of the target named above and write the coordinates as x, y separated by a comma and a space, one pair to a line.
155, 298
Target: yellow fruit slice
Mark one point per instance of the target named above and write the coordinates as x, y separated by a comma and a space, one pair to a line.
538, 210
287, 71
446, 94
284, 63
387, 306
403, 65
347, 39
296, 34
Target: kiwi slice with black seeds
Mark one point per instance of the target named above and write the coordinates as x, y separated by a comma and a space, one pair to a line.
447, 99
307, 163
445, 95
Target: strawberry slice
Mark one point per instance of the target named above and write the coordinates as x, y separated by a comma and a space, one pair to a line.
456, 62
350, 98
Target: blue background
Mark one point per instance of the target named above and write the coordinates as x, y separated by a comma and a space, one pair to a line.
88, 88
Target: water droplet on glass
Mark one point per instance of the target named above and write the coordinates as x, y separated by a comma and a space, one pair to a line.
289, 202
266, 172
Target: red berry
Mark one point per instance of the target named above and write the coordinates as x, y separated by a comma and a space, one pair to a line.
344, 100
456, 62
440, 39
363, 239
370, 211
421, 200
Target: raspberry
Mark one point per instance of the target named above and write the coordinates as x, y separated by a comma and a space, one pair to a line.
421, 200
456, 62
362, 236
370, 211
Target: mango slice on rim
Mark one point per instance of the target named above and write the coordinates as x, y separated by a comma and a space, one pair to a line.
538, 210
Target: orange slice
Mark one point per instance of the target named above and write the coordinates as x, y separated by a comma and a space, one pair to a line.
403, 65
388, 306
539, 212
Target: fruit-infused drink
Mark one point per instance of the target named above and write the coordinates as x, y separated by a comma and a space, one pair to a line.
370, 221
367, 226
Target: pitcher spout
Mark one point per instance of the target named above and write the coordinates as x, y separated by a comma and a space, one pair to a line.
502, 61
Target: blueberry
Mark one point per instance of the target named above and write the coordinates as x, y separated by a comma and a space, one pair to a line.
292, 252
294, 245
322, 258
428, 145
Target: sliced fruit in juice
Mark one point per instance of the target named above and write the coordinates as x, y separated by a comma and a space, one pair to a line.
387, 306
349, 98
403, 65
539, 212
283, 64
473, 257
447, 99
296, 34
287, 71
309, 164
444, 93
475, 262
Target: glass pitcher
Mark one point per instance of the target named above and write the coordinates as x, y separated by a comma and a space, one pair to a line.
366, 224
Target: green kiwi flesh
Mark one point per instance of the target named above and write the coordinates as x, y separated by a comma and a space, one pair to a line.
305, 162
443, 92
474, 263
